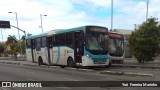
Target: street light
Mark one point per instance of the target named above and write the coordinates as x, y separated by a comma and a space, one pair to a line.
18, 29
147, 10
111, 15
41, 21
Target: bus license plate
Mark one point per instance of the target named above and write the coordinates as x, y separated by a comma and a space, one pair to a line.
100, 61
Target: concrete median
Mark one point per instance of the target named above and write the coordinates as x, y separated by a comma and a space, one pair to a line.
137, 66
125, 73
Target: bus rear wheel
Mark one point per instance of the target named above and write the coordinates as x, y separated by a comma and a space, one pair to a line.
40, 61
70, 63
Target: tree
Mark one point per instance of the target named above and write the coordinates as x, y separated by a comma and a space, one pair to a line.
11, 39
144, 42
23, 38
12, 43
1, 48
23, 47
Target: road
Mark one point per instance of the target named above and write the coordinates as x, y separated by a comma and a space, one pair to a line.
30, 73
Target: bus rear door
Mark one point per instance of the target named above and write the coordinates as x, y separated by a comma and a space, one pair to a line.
49, 49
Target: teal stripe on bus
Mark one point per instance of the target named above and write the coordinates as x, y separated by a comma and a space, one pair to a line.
58, 55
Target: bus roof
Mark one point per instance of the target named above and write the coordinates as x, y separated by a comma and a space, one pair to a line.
59, 31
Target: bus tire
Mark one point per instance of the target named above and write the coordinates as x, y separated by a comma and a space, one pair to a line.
70, 62
109, 65
40, 61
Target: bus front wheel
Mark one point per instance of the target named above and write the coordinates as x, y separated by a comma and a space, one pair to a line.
70, 62
109, 65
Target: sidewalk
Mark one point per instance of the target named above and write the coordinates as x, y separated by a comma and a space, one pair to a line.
132, 63
18, 62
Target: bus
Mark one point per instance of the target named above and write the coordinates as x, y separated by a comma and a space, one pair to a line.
116, 47
81, 46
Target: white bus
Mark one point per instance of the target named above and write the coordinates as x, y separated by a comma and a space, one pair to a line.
116, 47
82, 46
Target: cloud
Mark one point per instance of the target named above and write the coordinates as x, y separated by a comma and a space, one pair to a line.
63, 14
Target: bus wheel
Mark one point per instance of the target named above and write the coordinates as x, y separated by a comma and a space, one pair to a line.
70, 62
109, 65
40, 61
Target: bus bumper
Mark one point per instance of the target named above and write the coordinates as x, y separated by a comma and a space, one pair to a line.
89, 62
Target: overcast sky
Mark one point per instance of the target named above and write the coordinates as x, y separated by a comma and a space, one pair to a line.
63, 14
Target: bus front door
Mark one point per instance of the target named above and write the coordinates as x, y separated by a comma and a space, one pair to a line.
33, 49
79, 46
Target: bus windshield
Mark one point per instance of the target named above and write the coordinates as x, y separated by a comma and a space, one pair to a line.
97, 41
116, 47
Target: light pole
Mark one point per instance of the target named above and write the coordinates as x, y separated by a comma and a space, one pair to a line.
147, 10
111, 15
41, 21
2, 35
18, 29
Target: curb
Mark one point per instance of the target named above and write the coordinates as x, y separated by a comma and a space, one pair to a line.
11, 63
111, 72
135, 66
139, 74
79, 69
86, 70
125, 73
29, 65
69, 68
55, 67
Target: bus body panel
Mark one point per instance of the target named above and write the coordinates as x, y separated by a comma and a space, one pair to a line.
29, 53
94, 60
51, 55
61, 54
55, 55
42, 52
89, 62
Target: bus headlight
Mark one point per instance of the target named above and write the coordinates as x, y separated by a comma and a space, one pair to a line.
88, 56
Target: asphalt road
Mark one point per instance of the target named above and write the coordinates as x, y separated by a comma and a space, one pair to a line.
30, 73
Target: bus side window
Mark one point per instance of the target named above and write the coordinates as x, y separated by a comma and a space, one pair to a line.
44, 41
55, 40
61, 39
69, 39
38, 44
